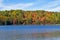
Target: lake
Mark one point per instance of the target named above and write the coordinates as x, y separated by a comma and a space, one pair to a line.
24, 32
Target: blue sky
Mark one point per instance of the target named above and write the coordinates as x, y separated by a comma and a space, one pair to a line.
48, 5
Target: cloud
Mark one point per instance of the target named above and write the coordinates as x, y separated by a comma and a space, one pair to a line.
17, 6
52, 6
56, 9
49, 6
1, 2
14, 6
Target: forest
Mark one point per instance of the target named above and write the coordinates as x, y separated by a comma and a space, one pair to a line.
21, 17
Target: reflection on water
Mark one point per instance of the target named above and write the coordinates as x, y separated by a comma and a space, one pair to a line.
27, 33
16, 35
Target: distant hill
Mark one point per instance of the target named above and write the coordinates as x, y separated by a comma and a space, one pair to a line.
21, 17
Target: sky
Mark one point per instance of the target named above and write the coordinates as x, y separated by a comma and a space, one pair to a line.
48, 5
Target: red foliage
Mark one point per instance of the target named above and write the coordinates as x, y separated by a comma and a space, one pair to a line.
14, 21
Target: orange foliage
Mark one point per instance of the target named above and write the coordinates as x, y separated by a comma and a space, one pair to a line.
42, 19
34, 16
48, 14
14, 21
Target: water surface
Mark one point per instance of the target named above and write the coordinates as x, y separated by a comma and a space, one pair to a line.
19, 32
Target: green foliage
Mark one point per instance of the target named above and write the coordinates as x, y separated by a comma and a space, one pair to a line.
17, 17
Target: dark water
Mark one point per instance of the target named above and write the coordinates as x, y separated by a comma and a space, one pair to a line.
23, 32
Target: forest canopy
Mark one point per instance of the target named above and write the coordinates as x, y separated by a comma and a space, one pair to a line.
21, 17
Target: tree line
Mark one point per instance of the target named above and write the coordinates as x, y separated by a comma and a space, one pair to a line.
38, 17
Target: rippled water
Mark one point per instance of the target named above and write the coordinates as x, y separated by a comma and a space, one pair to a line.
23, 32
